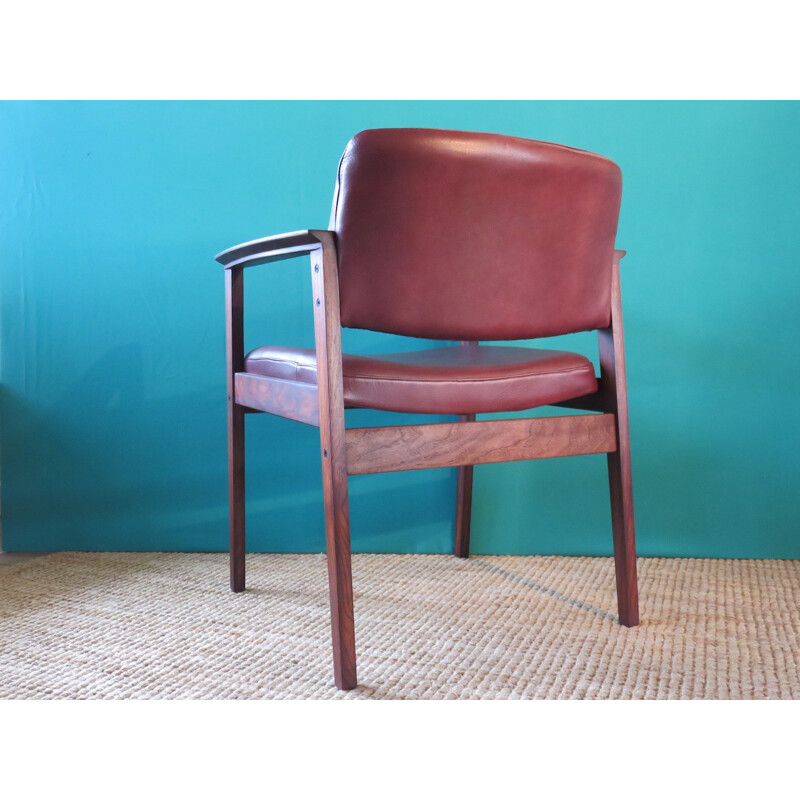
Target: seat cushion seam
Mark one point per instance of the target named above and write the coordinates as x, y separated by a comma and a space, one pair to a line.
441, 379
259, 359
421, 379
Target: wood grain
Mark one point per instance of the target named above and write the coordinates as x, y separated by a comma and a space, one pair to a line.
328, 336
291, 399
454, 444
614, 387
234, 344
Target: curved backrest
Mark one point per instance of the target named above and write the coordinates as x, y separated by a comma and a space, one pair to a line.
457, 235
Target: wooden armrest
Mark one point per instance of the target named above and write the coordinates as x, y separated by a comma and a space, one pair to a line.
273, 248
619, 255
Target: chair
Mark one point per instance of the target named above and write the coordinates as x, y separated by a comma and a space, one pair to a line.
465, 238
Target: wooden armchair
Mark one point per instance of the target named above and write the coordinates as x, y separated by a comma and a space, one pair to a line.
461, 237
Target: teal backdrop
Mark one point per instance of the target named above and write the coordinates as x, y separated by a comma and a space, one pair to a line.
113, 385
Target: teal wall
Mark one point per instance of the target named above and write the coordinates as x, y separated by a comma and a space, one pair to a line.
113, 396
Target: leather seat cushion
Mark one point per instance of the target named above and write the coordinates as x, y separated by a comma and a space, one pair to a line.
443, 380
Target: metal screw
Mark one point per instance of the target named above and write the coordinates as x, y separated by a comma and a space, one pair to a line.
316, 267
325, 453
318, 301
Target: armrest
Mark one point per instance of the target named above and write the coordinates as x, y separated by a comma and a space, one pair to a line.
273, 248
619, 255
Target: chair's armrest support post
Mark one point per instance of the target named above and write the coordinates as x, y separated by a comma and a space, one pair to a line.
333, 447
613, 382
234, 325
328, 341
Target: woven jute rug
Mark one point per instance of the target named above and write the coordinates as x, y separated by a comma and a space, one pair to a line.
121, 625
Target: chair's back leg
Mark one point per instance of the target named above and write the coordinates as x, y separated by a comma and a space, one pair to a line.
612, 374
334, 465
619, 479
464, 494
234, 304
463, 504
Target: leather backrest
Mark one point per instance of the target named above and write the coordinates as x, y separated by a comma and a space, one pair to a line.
473, 236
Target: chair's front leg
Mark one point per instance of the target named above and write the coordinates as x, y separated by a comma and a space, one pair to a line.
614, 386
234, 315
327, 328
337, 537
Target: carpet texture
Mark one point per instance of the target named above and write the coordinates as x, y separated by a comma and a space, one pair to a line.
122, 625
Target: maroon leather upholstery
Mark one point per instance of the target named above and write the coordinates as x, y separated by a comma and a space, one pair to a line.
473, 236
443, 380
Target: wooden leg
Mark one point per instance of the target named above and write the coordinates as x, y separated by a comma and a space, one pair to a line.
236, 494
234, 324
614, 390
327, 330
620, 484
464, 504
340, 580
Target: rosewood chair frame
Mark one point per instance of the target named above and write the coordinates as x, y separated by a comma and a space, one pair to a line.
461, 444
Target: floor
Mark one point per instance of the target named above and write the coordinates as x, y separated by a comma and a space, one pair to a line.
9, 559
166, 626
